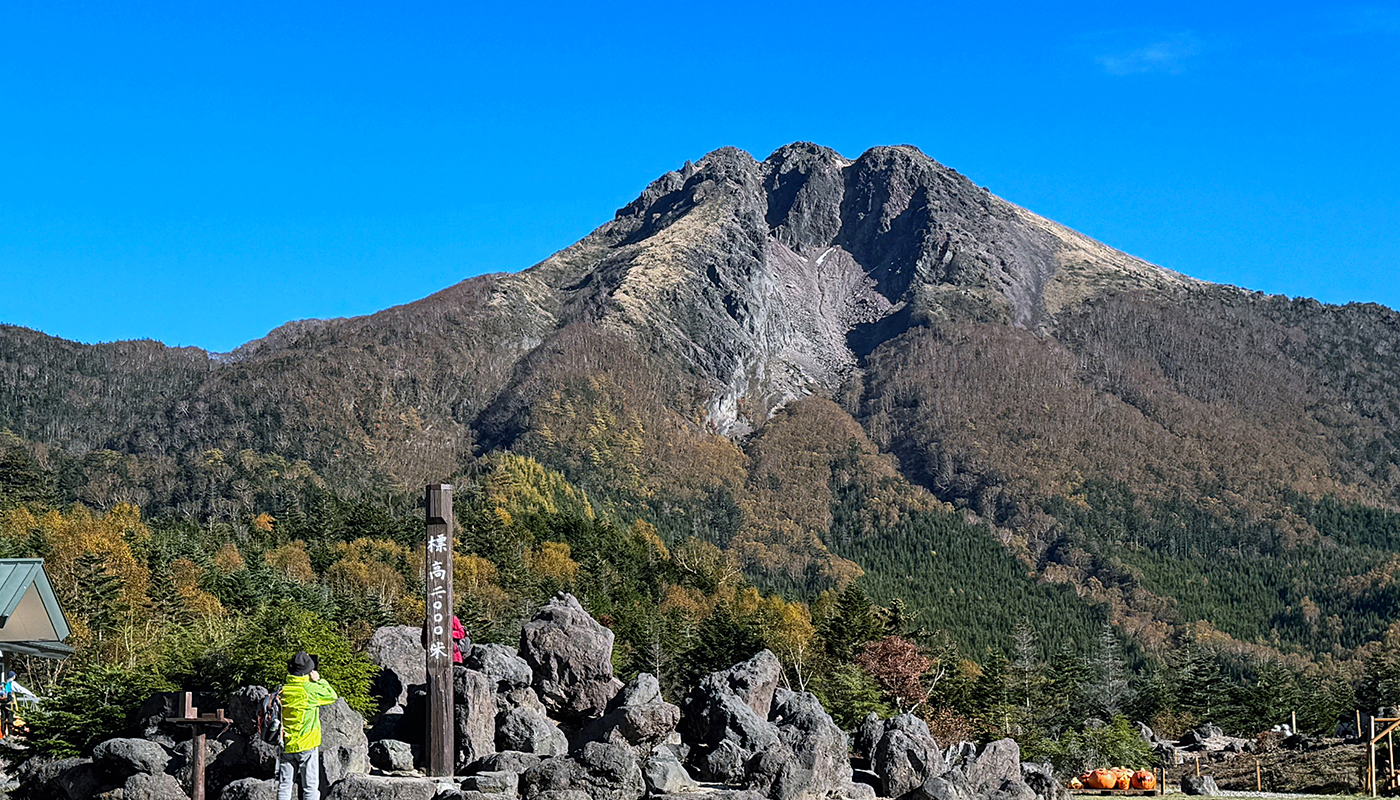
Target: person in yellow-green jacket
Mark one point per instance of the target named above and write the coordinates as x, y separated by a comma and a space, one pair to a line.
302, 698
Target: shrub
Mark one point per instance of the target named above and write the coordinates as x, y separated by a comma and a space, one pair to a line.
94, 703
258, 654
1117, 744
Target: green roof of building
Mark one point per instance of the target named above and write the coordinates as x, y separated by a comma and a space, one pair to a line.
31, 620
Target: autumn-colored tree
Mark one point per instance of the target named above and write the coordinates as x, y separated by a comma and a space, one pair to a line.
291, 562
897, 667
185, 576
552, 565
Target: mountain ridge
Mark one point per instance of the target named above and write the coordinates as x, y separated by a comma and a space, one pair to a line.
963, 352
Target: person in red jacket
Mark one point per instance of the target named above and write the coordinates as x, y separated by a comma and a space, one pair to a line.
459, 639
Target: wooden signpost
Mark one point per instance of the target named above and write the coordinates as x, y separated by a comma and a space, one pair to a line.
438, 578
200, 725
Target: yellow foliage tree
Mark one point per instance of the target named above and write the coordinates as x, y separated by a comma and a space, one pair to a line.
553, 563
185, 575
67, 537
521, 485
292, 562
228, 559
264, 522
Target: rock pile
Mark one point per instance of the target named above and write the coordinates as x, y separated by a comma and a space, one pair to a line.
551, 722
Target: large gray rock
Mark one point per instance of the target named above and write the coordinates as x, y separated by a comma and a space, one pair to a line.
509, 761
753, 681
1012, 790
713, 793
867, 734
344, 746
905, 756
391, 755
721, 725
80, 780
519, 698
398, 652
498, 783
612, 771
638, 717
38, 777
664, 774
383, 787
549, 776
143, 786
502, 664
243, 707
250, 789
473, 715
818, 764
959, 756
1040, 779
235, 757
125, 757
1199, 785
599, 771
941, 787
997, 764
570, 656
733, 736
527, 731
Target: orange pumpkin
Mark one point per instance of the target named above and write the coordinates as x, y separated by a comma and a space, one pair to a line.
1124, 780
1101, 779
1142, 779
1075, 783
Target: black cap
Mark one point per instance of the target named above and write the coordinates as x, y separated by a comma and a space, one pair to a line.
301, 664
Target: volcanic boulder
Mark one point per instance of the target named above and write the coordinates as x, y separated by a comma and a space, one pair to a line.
570, 655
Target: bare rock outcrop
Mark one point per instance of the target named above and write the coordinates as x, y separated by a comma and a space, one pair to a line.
570, 656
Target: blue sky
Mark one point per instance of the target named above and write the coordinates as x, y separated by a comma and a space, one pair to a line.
201, 173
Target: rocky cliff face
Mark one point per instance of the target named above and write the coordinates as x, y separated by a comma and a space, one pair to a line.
770, 280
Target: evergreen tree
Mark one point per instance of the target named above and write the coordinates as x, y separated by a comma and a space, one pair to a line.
1026, 672
1065, 677
993, 705
1201, 688
853, 621
1107, 692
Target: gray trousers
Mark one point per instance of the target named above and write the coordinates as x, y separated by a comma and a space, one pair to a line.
305, 769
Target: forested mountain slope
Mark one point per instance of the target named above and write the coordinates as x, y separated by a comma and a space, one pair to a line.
825, 366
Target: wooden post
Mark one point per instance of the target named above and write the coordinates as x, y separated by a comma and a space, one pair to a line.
1293, 728
199, 726
1198, 766
197, 750
438, 580
1258, 777
1371, 758
1358, 723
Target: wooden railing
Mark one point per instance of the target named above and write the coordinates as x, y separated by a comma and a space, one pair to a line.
1392, 775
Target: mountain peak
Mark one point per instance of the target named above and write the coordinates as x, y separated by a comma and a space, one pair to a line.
770, 280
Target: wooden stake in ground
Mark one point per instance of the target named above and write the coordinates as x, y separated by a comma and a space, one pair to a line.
438, 579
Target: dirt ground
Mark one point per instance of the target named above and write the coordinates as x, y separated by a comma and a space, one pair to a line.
1333, 770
